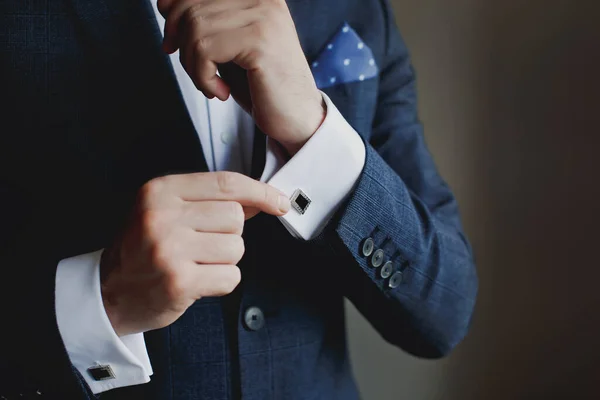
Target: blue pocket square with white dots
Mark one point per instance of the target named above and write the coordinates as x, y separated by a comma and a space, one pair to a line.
345, 58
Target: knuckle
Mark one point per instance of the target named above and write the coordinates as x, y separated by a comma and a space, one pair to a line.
238, 248
257, 56
201, 46
237, 212
260, 31
235, 277
260, 49
192, 15
226, 181
230, 280
151, 221
153, 188
270, 11
201, 22
174, 287
160, 254
272, 8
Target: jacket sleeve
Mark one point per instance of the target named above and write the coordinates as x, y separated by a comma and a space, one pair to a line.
405, 207
33, 360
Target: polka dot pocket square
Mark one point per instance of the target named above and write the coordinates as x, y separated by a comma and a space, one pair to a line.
344, 59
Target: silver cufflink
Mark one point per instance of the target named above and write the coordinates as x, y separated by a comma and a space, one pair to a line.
300, 201
101, 372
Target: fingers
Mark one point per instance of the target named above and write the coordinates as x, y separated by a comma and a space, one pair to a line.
212, 280
228, 186
214, 216
209, 17
203, 73
201, 54
212, 248
199, 247
212, 32
172, 11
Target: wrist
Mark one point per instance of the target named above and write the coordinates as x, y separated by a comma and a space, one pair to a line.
108, 264
111, 312
308, 125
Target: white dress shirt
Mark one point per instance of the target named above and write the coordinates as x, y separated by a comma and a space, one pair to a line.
325, 169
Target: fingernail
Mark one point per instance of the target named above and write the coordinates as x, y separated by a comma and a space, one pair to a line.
284, 203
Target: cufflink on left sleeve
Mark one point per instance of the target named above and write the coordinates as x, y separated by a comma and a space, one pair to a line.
300, 201
101, 372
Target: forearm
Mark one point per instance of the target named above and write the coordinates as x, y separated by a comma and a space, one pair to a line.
417, 284
429, 311
402, 203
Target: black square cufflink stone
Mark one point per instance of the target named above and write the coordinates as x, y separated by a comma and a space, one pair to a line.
300, 201
101, 372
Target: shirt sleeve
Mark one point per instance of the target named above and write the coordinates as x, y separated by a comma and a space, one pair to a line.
87, 333
320, 176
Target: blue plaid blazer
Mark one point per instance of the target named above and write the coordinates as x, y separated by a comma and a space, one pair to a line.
91, 110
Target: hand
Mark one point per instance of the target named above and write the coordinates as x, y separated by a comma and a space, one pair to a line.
183, 243
259, 36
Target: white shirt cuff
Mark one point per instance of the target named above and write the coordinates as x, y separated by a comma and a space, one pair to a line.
326, 169
86, 331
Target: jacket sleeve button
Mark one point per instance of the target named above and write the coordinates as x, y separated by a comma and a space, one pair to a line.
386, 270
395, 280
368, 246
377, 258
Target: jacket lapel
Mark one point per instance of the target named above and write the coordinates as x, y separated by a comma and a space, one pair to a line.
105, 21
104, 26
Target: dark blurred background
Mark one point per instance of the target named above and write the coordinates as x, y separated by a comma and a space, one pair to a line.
509, 99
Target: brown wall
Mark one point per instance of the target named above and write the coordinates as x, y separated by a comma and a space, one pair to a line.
509, 94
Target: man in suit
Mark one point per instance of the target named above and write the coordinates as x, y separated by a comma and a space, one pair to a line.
161, 245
